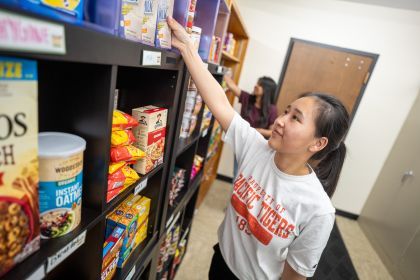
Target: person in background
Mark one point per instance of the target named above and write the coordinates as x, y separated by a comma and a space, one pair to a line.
257, 108
280, 215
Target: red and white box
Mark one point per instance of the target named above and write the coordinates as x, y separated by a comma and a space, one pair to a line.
150, 136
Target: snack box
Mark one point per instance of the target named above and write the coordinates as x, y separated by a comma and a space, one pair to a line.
125, 217
66, 10
111, 253
19, 210
131, 19
150, 136
163, 32
141, 233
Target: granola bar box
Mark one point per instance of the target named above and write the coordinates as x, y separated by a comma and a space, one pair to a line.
150, 136
19, 214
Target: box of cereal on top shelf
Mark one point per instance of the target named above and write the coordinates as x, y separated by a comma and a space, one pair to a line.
19, 210
150, 136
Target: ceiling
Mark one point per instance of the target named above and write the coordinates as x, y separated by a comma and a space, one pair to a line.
399, 4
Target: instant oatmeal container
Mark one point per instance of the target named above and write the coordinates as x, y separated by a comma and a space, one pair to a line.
60, 182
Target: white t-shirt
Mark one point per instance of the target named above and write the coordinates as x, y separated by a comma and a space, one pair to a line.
272, 216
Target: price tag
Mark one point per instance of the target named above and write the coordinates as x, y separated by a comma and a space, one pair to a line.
38, 274
21, 33
219, 69
141, 186
66, 251
151, 58
131, 274
206, 65
204, 132
169, 221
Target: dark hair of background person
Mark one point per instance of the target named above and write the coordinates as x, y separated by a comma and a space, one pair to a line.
332, 121
269, 87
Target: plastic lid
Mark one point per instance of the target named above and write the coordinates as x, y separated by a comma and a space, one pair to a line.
196, 29
59, 144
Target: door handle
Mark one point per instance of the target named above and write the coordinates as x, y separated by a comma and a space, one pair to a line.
406, 175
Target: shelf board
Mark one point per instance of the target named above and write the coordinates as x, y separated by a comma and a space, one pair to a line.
185, 143
192, 187
138, 258
50, 247
229, 57
120, 198
86, 45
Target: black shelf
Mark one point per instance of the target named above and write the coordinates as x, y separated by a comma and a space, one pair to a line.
191, 189
120, 198
185, 143
82, 46
138, 258
49, 247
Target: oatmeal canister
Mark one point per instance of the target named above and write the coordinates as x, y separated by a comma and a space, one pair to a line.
60, 182
19, 215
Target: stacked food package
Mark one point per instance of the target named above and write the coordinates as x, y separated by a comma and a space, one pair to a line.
123, 154
150, 136
229, 44
206, 120
193, 104
126, 228
177, 184
167, 252
197, 165
215, 47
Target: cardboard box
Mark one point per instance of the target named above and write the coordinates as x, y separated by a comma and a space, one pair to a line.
148, 22
141, 233
19, 210
131, 19
150, 136
163, 32
111, 253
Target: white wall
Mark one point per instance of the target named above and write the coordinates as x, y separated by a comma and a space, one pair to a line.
394, 34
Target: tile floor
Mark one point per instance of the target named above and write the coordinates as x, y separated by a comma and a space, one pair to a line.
203, 236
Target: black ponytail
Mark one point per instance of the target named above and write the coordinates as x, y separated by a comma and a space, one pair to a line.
332, 122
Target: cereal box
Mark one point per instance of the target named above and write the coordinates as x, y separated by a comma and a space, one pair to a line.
131, 17
150, 136
142, 207
19, 211
148, 23
163, 32
111, 253
141, 233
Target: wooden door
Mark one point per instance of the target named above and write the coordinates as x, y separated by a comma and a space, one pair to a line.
315, 67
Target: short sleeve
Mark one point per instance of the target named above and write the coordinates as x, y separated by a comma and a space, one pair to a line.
272, 115
305, 251
243, 138
244, 97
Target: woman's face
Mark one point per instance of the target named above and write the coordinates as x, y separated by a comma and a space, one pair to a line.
294, 130
258, 90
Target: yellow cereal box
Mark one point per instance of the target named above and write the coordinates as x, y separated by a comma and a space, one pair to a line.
19, 211
141, 233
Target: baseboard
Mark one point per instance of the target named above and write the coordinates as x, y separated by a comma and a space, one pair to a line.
224, 178
346, 214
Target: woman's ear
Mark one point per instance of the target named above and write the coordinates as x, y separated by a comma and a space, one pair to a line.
320, 143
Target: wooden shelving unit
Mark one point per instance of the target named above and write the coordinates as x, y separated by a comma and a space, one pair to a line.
234, 62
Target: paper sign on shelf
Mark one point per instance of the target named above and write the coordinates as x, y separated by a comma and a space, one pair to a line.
38, 274
151, 58
66, 251
204, 134
219, 69
21, 33
141, 186
131, 274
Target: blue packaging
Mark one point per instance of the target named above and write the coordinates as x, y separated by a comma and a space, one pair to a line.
163, 32
64, 10
105, 13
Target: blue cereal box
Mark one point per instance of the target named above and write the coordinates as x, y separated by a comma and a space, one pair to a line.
163, 32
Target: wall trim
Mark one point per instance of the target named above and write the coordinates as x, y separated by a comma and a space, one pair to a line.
346, 214
224, 178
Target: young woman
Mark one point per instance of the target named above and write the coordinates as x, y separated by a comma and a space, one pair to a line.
257, 108
280, 215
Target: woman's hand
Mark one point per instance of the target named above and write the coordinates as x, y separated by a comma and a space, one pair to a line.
232, 86
180, 38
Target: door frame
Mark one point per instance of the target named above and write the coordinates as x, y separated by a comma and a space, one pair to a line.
293, 40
